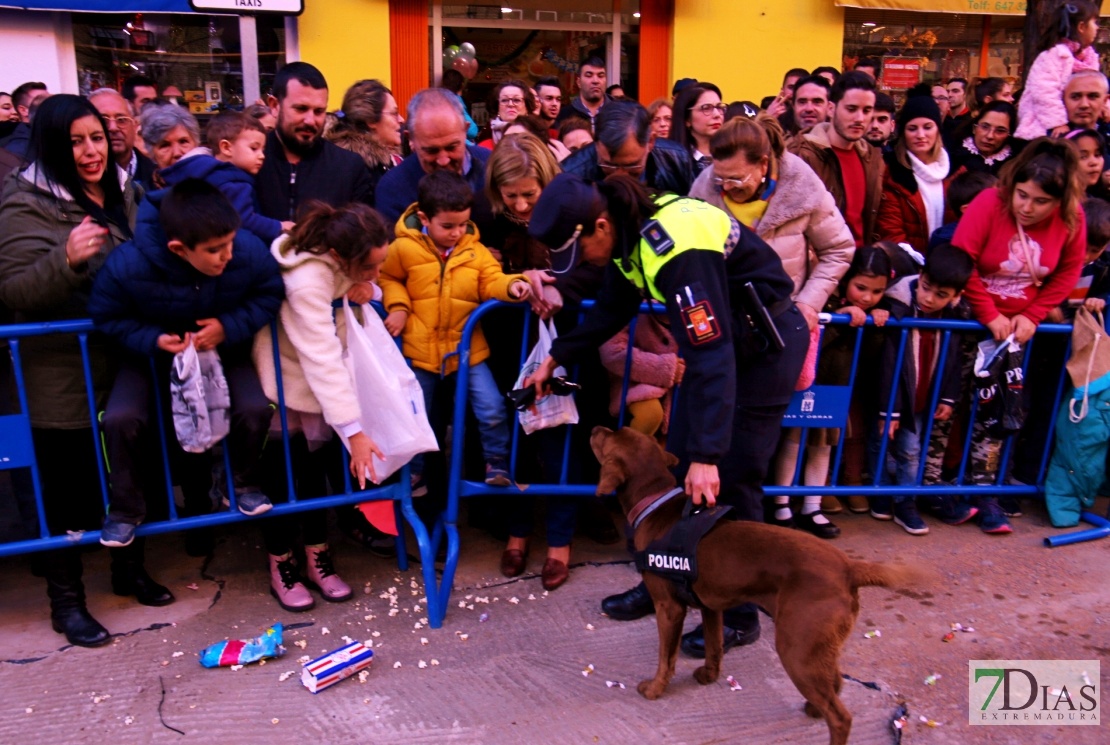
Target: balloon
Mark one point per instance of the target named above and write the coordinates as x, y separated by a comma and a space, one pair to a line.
461, 65
471, 70
467, 47
451, 51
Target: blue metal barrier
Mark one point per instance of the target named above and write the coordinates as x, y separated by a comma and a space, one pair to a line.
459, 488
17, 451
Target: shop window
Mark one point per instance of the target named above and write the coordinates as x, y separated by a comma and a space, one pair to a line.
197, 54
530, 39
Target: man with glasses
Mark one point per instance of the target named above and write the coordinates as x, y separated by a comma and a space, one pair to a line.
591, 93
625, 144
123, 129
437, 134
850, 167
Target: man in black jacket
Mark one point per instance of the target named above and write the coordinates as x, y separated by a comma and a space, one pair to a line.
300, 165
624, 143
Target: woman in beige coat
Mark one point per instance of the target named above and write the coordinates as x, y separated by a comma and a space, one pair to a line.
778, 195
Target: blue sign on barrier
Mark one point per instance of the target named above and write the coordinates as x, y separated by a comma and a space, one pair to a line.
15, 442
819, 406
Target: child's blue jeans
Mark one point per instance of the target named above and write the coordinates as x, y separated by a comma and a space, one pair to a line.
488, 405
903, 453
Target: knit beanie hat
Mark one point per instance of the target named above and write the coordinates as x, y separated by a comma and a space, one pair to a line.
918, 107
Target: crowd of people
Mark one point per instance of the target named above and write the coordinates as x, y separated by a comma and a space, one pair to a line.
744, 222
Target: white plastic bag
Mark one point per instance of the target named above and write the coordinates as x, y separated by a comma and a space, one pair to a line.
389, 397
199, 399
551, 410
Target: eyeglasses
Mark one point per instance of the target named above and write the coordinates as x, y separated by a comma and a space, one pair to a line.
986, 129
940, 99
121, 121
711, 108
511, 101
730, 183
632, 169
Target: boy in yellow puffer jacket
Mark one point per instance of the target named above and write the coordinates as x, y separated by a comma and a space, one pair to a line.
435, 275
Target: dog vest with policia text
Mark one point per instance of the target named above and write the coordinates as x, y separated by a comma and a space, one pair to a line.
680, 224
674, 555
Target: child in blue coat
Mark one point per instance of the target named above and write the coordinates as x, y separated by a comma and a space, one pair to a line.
189, 277
234, 156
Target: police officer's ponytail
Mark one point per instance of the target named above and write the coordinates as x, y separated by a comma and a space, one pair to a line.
629, 205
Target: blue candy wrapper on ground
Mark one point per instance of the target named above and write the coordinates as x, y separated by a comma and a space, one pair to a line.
243, 651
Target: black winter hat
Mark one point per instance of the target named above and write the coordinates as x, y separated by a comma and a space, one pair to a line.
918, 107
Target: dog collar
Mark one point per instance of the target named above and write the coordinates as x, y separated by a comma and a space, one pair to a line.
647, 505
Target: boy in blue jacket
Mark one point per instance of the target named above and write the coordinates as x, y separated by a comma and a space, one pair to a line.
935, 294
234, 156
190, 276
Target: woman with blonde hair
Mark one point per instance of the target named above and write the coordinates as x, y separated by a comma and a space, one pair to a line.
661, 113
776, 194
368, 124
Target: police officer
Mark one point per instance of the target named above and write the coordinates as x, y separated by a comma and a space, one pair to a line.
728, 302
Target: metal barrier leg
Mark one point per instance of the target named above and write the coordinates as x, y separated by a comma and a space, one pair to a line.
1101, 530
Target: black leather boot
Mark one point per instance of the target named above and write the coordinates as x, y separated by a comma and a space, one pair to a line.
68, 614
129, 576
693, 643
628, 606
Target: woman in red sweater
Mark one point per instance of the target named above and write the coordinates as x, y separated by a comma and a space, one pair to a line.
1028, 238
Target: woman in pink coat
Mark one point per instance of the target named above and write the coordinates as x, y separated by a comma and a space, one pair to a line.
1065, 49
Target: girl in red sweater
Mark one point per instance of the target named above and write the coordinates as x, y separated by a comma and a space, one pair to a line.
1028, 238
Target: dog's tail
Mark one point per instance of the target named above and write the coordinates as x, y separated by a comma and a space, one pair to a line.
872, 574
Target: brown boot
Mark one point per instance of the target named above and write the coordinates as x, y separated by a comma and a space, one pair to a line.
858, 504
831, 505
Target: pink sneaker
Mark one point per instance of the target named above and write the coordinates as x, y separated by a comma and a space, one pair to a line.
322, 576
286, 587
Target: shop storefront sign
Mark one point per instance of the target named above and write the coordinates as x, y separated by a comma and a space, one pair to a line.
285, 7
900, 73
986, 7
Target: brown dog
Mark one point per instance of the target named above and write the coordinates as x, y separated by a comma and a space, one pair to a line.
806, 585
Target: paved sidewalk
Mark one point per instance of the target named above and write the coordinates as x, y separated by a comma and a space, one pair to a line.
518, 676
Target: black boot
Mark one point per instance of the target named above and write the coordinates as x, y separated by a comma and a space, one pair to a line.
693, 643
129, 576
628, 606
68, 614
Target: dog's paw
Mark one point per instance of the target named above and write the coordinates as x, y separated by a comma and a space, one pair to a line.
705, 676
812, 711
650, 689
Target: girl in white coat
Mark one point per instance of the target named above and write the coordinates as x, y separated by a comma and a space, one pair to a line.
331, 253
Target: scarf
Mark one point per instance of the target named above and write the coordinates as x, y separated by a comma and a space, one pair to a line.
930, 183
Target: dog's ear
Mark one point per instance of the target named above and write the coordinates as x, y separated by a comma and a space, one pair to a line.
613, 475
669, 458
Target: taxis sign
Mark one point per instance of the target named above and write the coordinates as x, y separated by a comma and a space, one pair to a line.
283, 7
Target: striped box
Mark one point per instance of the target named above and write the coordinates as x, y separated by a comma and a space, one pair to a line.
333, 667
